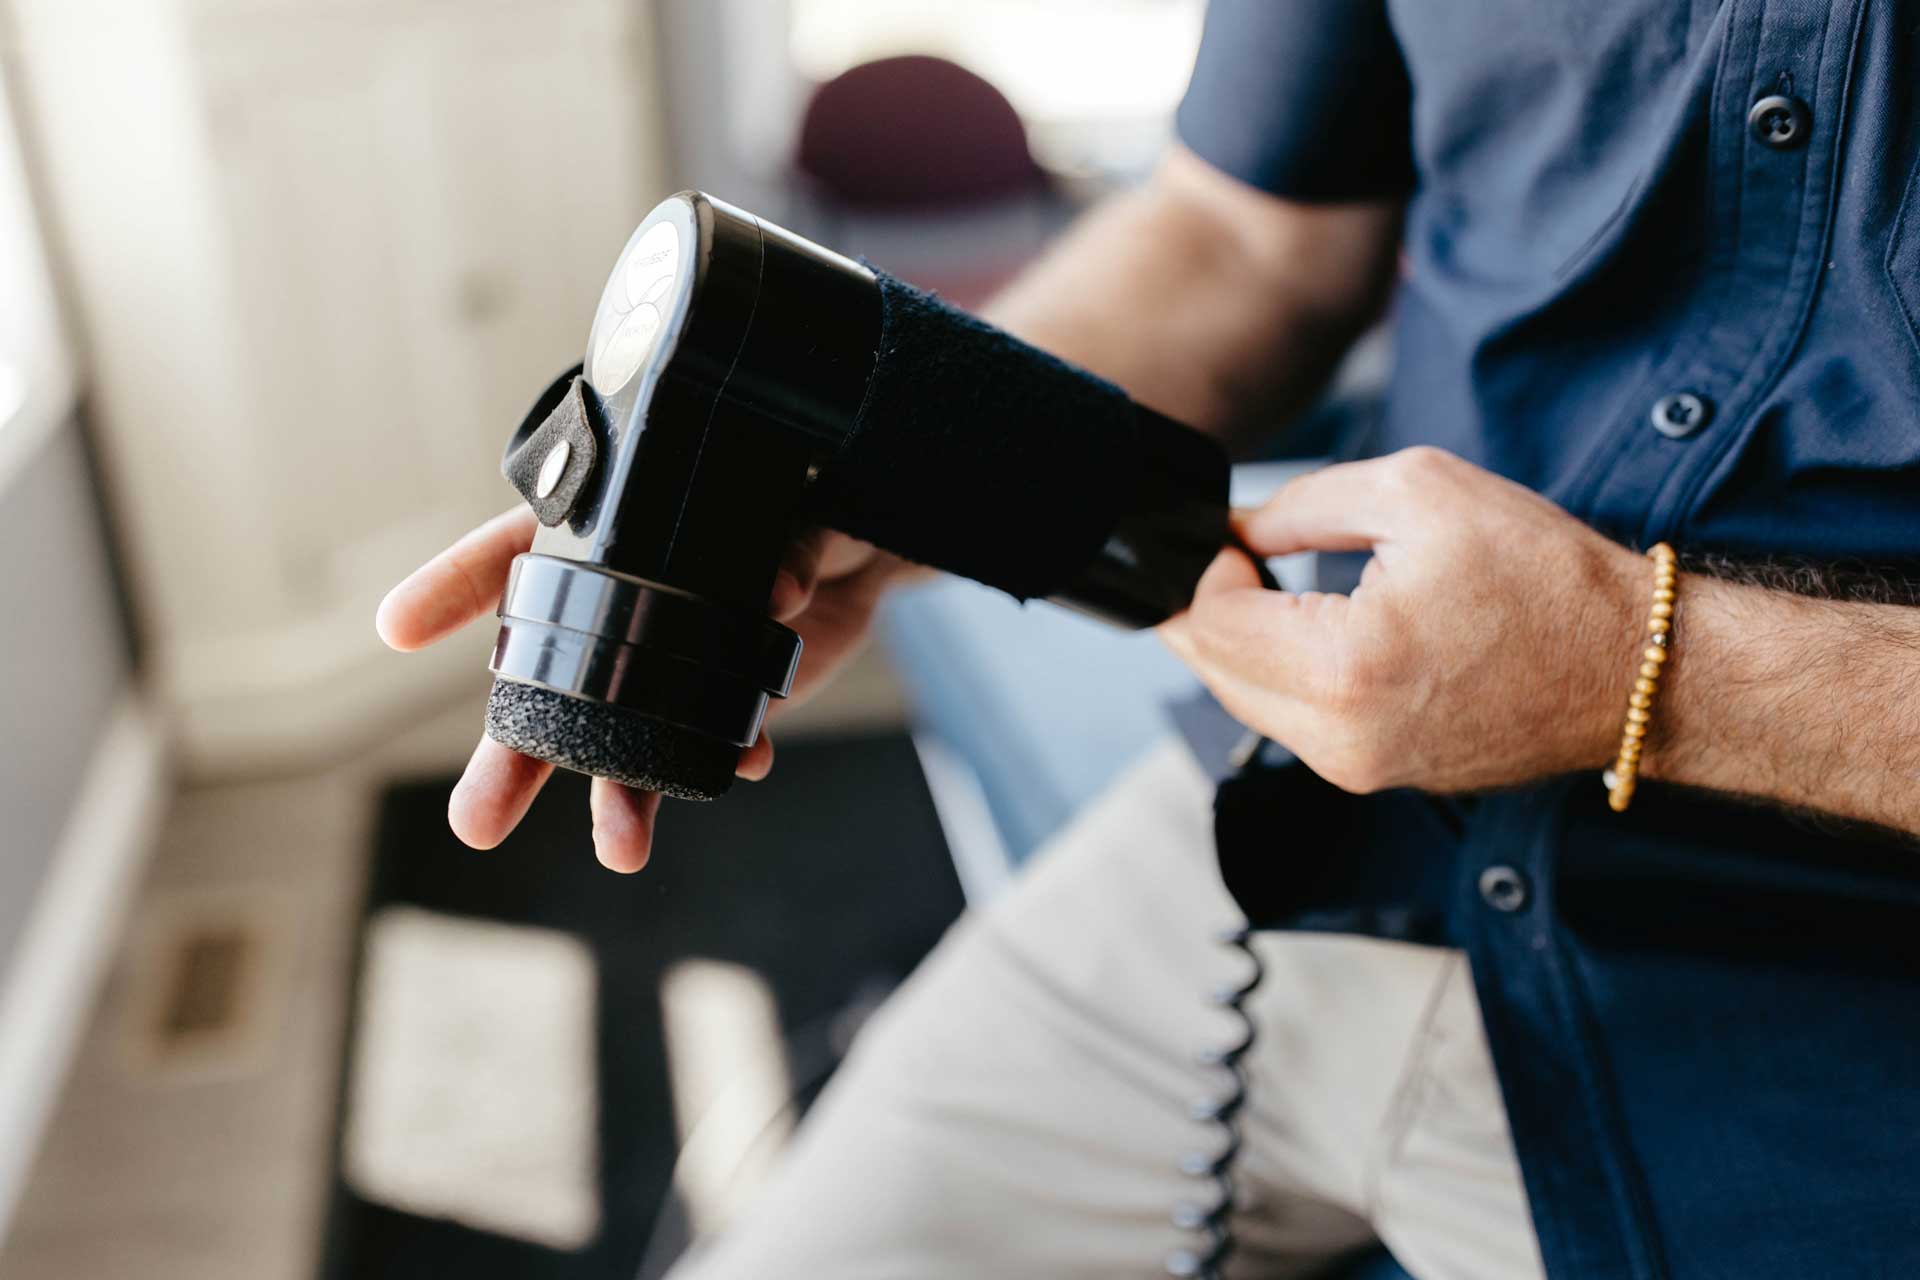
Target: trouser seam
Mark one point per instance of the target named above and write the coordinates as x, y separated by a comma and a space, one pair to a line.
1403, 1106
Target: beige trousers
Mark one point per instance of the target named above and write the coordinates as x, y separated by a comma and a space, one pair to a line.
1019, 1109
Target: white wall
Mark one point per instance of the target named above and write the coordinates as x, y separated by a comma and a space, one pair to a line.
79, 768
323, 253
63, 657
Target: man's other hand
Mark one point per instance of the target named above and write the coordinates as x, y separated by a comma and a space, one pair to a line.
1490, 642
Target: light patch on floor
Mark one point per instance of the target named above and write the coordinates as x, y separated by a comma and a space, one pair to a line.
732, 1087
473, 1093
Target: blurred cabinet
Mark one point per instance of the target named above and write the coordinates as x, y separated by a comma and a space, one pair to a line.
322, 254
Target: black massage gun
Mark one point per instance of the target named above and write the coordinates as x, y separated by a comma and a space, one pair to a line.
742, 383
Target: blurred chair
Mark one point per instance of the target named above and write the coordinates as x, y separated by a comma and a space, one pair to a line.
915, 132
923, 166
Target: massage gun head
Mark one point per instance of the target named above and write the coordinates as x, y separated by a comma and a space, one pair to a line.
727, 359
740, 382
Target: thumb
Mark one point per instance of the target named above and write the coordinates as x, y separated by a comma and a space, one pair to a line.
1232, 570
1239, 628
1255, 641
1345, 507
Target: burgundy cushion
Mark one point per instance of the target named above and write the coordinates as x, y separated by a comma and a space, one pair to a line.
914, 130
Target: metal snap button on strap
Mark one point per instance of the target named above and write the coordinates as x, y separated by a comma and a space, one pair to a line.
552, 469
1780, 121
1680, 415
1503, 888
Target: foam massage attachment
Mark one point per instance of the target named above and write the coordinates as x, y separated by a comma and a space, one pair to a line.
742, 384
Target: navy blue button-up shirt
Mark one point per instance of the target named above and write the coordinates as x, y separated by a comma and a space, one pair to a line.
1682, 314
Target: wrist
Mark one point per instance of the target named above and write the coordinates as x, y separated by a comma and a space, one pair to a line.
1743, 660
1619, 582
1791, 699
1769, 642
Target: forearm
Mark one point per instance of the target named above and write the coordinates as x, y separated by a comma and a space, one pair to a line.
1209, 301
1807, 702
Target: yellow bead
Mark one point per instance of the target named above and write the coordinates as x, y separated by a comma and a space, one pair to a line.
1663, 582
1636, 730
1650, 670
1660, 551
1661, 608
1658, 626
1645, 684
1638, 715
1639, 701
1654, 654
1663, 595
1630, 752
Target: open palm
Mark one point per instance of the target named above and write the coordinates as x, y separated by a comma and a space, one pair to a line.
826, 591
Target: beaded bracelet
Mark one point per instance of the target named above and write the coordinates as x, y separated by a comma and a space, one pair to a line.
1620, 779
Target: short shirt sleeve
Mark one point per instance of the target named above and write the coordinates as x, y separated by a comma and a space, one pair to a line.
1306, 99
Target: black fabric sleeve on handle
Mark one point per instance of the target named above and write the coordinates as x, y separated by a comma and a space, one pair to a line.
979, 454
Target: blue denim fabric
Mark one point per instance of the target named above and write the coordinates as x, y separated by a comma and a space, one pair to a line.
1706, 1017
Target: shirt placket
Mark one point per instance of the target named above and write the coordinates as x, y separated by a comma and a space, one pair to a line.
1776, 111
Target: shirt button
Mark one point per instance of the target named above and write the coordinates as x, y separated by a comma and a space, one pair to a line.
1504, 888
1780, 121
1680, 415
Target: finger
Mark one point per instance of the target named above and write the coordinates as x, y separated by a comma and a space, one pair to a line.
844, 555
623, 821
799, 573
835, 627
1348, 507
1229, 689
756, 762
1273, 640
790, 596
493, 794
1231, 570
1279, 713
456, 586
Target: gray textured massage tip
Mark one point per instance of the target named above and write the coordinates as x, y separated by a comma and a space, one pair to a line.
609, 741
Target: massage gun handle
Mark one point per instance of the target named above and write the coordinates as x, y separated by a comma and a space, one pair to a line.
977, 453
1170, 530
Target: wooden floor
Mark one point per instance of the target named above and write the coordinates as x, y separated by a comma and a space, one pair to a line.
200, 1156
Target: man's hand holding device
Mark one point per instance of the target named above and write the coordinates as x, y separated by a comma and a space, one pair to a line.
826, 591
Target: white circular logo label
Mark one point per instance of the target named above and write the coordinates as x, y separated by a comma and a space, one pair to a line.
632, 308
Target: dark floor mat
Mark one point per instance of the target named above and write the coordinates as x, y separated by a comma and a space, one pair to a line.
828, 878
